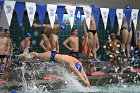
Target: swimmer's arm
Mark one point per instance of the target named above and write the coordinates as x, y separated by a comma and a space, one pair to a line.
118, 32
85, 76
97, 45
105, 45
57, 45
27, 43
83, 44
42, 44
84, 26
7, 47
119, 43
78, 74
65, 43
46, 25
46, 41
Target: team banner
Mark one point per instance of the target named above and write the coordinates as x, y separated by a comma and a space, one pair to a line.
104, 13
41, 9
96, 13
1, 6
119, 13
71, 14
87, 14
60, 11
112, 13
51, 12
8, 8
78, 15
19, 8
128, 17
134, 16
31, 9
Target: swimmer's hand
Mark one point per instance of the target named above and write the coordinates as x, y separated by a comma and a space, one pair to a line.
23, 55
118, 33
36, 25
86, 83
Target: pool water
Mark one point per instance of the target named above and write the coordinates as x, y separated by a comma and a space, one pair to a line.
113, 88
71, 82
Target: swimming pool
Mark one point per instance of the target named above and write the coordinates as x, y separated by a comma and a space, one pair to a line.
27, 79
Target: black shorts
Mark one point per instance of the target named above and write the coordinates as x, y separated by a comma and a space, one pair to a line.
74, 54
93, 31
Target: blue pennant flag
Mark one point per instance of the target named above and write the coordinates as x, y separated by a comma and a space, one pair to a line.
139, 14
60, 11
19, 7
96, 13
78, 14
1, 6
128, 17
41, 9
112, 13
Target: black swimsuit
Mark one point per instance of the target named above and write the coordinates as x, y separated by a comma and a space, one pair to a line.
93, 31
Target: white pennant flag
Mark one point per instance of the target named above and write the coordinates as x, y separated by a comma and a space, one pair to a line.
134, 16
31, 9
71, 14
87, 13
119, 13
51, 12
104, 13
8, 8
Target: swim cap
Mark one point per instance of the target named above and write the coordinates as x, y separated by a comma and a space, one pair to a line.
63, 26
13, 91
27, 35
78, 66
127, 7
112, 34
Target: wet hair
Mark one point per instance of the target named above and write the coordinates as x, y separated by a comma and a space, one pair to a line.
6, 30
72, 30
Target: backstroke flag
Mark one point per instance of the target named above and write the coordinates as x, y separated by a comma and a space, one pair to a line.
51, 12
41, 9
60, 12
71, 14
87, 14
112, 13
31, 9
134, 16
8, 8
128, 17
139, 13
96, 13
78, 15
119, 13
19, 8
1, 6
104, 13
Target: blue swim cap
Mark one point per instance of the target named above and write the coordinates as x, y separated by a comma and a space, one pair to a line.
13, 91
27, 35
127, 7
78, 66
63, 26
